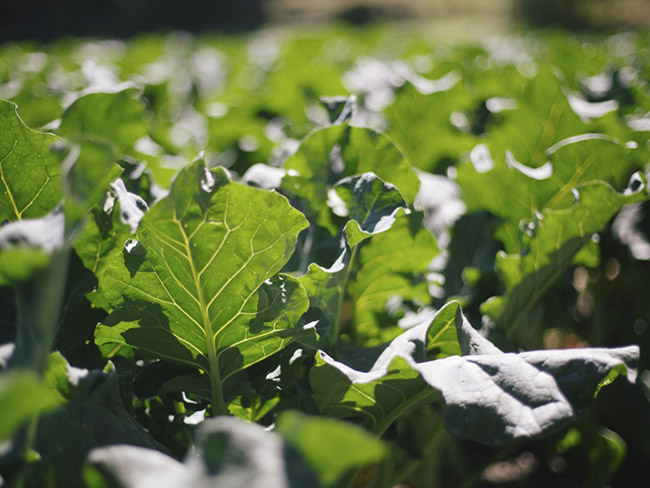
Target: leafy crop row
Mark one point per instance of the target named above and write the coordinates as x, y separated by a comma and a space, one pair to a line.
290, 262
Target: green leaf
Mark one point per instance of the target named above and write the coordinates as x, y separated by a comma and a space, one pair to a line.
553, 241
489, 396
514, 191
198, 284
329, 154
114, 117
370, 205
329, 446
30, 173
542, 118
392, 265
420, 125
23, 396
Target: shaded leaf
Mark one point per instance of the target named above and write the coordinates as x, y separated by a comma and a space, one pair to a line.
99, 413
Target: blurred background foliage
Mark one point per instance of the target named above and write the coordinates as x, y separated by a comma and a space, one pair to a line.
44, 21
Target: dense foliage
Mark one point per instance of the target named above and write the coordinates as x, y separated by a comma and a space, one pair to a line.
325, 260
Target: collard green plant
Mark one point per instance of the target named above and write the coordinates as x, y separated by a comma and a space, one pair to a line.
301, 306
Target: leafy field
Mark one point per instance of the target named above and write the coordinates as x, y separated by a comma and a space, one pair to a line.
325, 259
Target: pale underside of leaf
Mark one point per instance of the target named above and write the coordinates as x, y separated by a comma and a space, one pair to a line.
489, 396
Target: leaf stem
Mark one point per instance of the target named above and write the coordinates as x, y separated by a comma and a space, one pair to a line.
216, 387
336, 326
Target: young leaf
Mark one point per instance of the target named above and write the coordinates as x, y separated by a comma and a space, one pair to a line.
30, 173
198, 284
339, 151
370, 205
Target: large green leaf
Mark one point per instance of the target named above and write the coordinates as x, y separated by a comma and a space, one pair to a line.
198, 284
420, 124
542, 118
514, 191
489, 396
30, 173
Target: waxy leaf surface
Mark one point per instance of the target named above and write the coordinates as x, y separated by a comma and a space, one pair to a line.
490, 396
